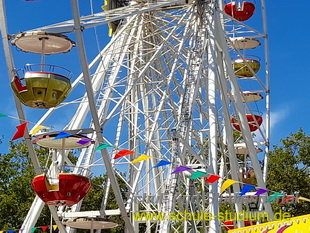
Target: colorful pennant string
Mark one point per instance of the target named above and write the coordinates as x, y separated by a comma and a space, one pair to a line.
273, 196
162, 163
103, 146
141, 158
62, 135
303, 199
55, 227
227, 183
212, 178
20, 131
181, 169
36, 129
123, 153
33, 229
260, 192
44, 228
84, 141
198, 174
287, 199
3, 115
246, 188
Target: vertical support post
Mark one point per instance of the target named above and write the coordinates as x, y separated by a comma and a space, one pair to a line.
92, 107
212, 112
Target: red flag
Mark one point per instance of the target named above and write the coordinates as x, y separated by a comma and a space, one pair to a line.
20, 131
123, 153
44, 228
212, 178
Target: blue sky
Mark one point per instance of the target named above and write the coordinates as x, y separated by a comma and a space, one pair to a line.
289, 36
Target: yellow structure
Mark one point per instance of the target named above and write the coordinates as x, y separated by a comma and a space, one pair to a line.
299, 224
241, 67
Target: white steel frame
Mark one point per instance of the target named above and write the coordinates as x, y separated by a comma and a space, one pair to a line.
165, 87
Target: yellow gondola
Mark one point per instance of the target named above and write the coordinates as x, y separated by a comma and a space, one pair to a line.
40, 89
241, 67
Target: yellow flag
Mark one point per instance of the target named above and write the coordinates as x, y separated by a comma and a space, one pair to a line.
141, 158
228, 183
303, 198
36, 129
55, 227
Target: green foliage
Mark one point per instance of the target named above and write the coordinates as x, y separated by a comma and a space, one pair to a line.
289, 167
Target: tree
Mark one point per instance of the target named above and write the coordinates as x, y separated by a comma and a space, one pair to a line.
289, 170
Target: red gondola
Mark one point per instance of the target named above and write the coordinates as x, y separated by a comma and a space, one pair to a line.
70, 189
254, 122
229, 225
240, 11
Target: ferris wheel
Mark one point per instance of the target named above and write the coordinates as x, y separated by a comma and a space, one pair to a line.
175, 97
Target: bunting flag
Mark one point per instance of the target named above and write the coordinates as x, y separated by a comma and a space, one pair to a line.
181, 169
55, 227
162, 163
286, 200
11, 231
260, 192
212, 178
20, 131
141, 158
44, 228
33, 229
36, 129
62, 135
84, 141
303, 198
227, 184
102, 146
273, 197
21, 230
198, 174
3, 115
246, 188
123, 153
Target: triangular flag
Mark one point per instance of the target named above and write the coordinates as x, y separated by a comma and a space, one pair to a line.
141, 158
84, 141
273, 197
1, 231
55, 227
286, 200
212, 178
162, 163
260, 192
3, 115
33, 229
227, 184
20, 230
62, 135
303, 198
102, 146
36, 129
246, 188
181, 169
198, 174
20, 131
123, 153
44, 228
11, 231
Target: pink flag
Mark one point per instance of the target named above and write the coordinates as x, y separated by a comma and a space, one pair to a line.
123, 153
20, 131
